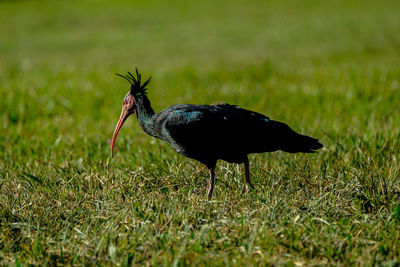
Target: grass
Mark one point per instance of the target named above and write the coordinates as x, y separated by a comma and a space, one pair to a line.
330, 70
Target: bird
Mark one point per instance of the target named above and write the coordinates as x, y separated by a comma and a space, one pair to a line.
208, 133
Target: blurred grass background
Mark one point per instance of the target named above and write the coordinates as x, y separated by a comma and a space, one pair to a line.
329, 69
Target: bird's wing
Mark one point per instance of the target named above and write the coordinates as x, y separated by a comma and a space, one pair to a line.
213, 128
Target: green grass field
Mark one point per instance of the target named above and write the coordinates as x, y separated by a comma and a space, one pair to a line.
330, 69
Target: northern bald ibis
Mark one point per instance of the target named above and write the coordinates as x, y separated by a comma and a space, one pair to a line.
210, 132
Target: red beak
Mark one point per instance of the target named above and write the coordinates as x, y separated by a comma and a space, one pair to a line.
122, 118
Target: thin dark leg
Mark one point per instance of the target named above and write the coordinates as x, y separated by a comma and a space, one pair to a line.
247, 175
211, 183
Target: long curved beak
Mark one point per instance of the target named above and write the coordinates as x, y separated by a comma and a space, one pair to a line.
122, 118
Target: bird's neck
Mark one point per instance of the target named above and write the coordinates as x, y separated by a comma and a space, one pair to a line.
144, 113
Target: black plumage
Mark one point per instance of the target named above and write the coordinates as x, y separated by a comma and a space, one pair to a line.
208, 133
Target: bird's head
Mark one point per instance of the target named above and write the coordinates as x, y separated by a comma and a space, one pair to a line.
129, 102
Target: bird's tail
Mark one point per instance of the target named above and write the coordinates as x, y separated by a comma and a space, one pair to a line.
302, 143
292, 142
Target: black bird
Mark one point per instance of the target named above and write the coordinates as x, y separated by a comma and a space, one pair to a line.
208, 133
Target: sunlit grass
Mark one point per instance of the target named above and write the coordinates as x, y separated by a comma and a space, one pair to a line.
329, 70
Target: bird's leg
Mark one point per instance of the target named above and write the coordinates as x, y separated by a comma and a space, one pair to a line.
211, 182
247, 175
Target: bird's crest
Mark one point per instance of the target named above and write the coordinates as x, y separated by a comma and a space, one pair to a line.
137, 87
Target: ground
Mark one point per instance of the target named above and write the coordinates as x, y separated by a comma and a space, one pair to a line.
329, 69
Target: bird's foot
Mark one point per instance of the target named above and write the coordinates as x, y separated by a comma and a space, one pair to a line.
210, 191
249, 187
210, 194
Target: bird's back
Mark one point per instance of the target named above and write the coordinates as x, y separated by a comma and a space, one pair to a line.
211, 132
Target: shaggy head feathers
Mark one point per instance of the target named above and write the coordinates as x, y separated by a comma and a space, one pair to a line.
136, 82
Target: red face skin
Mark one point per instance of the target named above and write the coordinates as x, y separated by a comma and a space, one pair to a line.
128, 108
